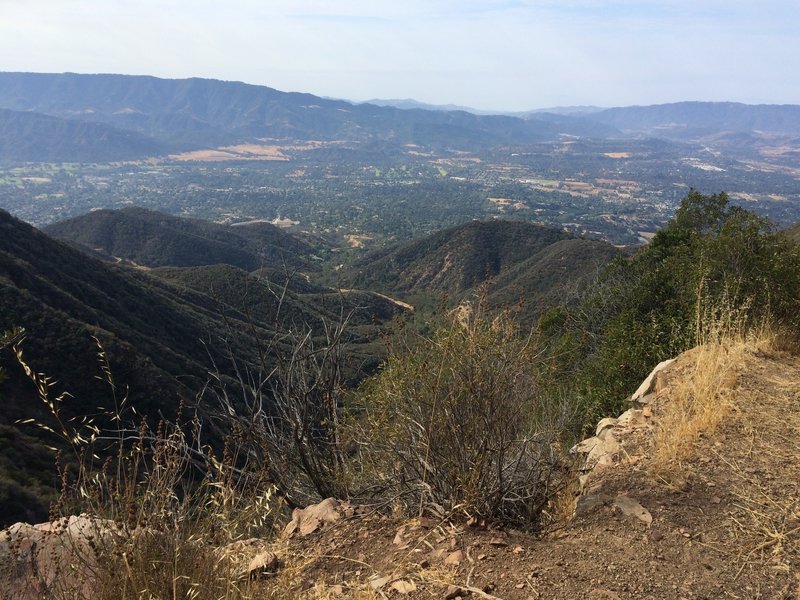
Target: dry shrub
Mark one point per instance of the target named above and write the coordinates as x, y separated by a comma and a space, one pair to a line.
458, 423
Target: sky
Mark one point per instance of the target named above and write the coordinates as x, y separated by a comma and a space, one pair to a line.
503, 55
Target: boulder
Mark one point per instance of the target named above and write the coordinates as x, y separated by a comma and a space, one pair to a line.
307, 520
647, 385
56, 559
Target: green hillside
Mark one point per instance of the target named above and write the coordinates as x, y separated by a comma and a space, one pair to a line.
155, 239
540, 266
454, 260
793, 232
162, 334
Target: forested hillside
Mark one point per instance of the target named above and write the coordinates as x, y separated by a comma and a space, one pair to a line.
155, 239
162, 332
33, 137
522, 263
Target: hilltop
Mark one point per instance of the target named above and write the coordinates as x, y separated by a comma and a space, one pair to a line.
723, 524
541, 266
155, 239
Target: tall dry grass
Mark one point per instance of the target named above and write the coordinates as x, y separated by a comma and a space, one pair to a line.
702, 398
162, 507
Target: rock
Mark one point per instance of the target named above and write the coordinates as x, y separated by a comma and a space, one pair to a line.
598, 450
37, 561
647, 384
632, 418
605, 424
589, 502
377, 582
498, 541
454, 592
404, 587
241, 553
263, 564
454, 558
399, 540
632, 508
308, 520
646, 399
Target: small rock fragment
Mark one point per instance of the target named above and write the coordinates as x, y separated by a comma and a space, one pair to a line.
454, 592
632, 508
454, 558
262, 565
404, 587
377, 582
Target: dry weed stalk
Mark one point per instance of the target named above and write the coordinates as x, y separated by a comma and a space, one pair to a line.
160, 504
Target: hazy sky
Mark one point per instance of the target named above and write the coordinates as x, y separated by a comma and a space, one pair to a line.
503, 54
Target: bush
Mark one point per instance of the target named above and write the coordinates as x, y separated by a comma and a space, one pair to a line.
457, 422
652, 306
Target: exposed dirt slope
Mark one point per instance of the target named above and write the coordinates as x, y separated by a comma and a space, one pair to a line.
727, 525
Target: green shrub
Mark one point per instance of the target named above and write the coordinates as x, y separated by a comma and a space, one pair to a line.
644, 309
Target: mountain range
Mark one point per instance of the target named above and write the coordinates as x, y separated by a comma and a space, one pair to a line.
202, 113
75, 117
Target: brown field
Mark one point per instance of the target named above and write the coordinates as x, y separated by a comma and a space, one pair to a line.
356, 240
508, 203
239, 152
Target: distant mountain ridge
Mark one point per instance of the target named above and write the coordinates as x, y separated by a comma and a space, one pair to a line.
195, 113
682, 119
35, 137
108, 117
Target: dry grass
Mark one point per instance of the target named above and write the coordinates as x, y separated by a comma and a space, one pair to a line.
698, 402
160, 503
701, 398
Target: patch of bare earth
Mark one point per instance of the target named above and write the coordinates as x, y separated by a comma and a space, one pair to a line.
727, 526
